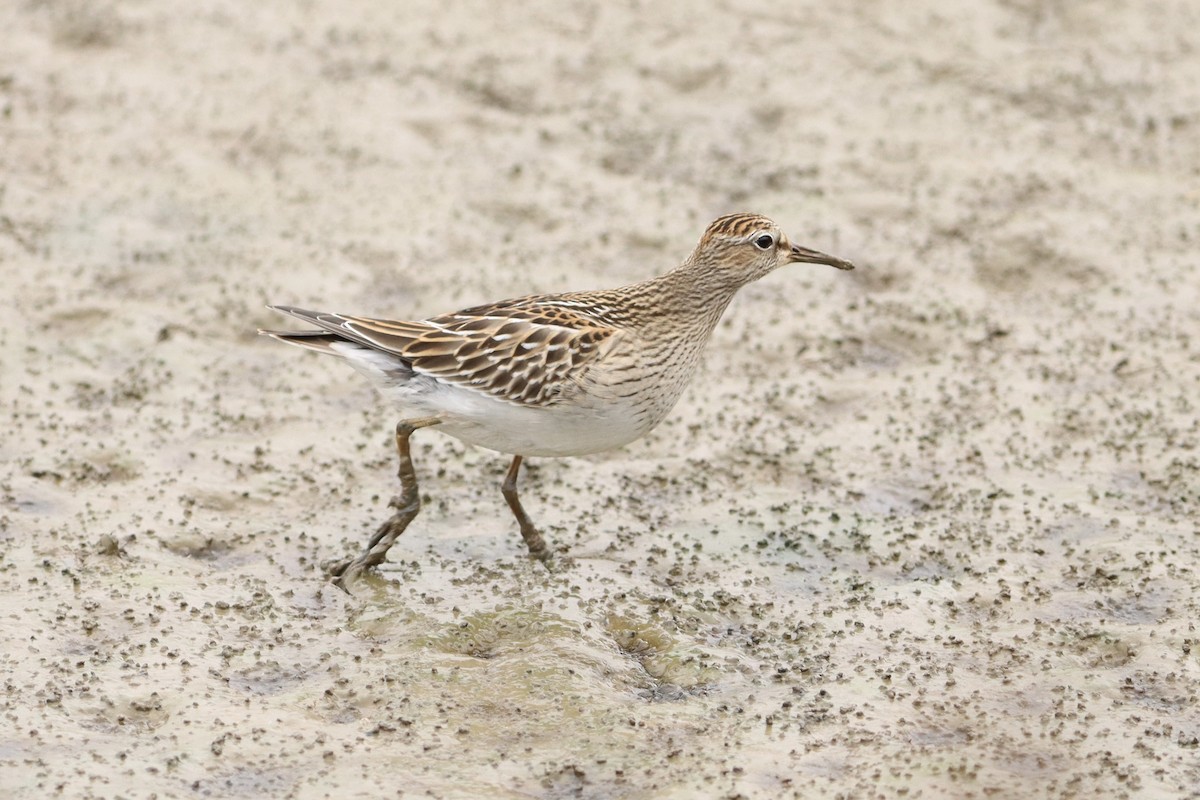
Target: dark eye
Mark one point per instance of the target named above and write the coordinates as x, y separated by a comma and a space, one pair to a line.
764, 242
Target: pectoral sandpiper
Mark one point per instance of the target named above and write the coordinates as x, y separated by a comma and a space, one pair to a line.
550, 374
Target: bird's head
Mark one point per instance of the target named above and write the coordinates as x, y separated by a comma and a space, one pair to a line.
746, 247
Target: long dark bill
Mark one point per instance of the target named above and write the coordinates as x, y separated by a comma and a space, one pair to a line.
807, 256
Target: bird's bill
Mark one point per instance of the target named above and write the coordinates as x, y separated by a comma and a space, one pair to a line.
807, 256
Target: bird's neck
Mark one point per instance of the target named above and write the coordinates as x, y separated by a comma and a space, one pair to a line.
693, 295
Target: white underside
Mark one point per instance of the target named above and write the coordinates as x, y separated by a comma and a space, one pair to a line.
589, 425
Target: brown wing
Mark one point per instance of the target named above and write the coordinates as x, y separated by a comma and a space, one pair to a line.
527, 352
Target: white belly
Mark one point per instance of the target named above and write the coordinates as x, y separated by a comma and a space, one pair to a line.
558, 430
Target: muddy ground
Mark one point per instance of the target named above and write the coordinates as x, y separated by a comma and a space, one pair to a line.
928, 529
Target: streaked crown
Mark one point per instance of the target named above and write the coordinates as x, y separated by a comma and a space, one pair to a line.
738, 226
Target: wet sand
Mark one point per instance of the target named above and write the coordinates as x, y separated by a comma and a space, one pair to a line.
928, 529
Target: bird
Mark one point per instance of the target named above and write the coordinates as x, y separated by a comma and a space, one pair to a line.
547, 375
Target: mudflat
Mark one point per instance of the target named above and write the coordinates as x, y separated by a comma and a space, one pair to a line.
928, 528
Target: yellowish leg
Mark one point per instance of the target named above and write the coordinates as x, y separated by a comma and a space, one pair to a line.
533, 539
407, 505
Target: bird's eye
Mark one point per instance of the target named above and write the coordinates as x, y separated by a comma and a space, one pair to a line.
764, 242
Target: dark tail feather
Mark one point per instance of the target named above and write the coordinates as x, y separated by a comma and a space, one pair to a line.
319, 341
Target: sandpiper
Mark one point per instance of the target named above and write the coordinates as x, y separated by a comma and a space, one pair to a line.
549, 374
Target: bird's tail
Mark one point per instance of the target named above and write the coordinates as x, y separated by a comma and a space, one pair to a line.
321, 341
377, 364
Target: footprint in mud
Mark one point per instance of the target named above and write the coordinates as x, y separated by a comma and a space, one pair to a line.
674, 671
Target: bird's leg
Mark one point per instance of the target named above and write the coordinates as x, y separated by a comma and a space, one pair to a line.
407, 504
533, 539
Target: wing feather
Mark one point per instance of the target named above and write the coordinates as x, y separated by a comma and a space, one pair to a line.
518, 353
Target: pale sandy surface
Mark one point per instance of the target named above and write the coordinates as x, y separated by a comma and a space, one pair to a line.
927, 529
